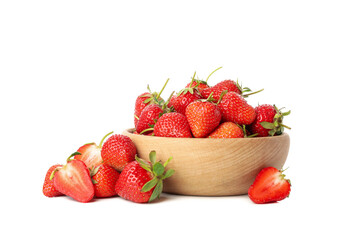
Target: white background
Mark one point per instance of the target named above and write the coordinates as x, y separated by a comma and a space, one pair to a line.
70, 72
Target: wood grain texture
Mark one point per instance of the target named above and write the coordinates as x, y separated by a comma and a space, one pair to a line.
213, 167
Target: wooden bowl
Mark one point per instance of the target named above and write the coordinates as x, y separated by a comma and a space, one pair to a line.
213, 167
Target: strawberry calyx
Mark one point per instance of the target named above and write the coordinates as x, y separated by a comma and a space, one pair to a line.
243, 128
221, 96
63, 167
190, 88
157, 169
165, 109
93, 172
154, 97
198, 81
282, 176
276, 127
246, 90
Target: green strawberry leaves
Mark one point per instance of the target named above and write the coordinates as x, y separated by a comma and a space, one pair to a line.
149, 185
190, 88
276, 127
157, 191
158, 171
267, 125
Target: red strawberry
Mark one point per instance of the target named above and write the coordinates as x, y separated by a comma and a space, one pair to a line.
203, 118
172, 125
145, 99
117, 151
229, 86
91, 153
73, 180
49, 189
141, 102
201, 85
104, 179
234, 108
198, 84
270, 185
227, 130
226, 85
268, 121
180, 101
186, 96
148, 117
142, 181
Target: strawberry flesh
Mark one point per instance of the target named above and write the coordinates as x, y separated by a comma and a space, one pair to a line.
269, 186
90, 155
74, 181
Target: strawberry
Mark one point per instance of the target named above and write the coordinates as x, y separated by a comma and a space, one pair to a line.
49, 189
270, 185
172, 125
268, 121
91, 153
234, 108
183, 99
148, 117
104, 179
141, 102
142, 181
186, 96
229, 86
226, 85
227, 130
198, 85
117, 151
145, 99
203, 117
73, 180
201, 85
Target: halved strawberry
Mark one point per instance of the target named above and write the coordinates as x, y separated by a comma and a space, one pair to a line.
91, 153
73, 180
270, 185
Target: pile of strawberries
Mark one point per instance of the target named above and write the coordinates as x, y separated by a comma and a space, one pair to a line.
199, 110
107, 170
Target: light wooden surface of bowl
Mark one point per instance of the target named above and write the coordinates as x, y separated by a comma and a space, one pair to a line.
213, 167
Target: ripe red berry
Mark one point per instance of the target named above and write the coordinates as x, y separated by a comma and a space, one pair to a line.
172, 125
234, 108
270, 185
117, 151
203, 118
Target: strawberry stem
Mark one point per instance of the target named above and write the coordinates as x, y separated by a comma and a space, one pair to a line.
221, 96
212, 74
283, 125
74, 154
102, 140
163, 88
210, 97
53, 172
248, 94
146, 130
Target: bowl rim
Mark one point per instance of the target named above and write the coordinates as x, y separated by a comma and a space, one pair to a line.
278, 137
